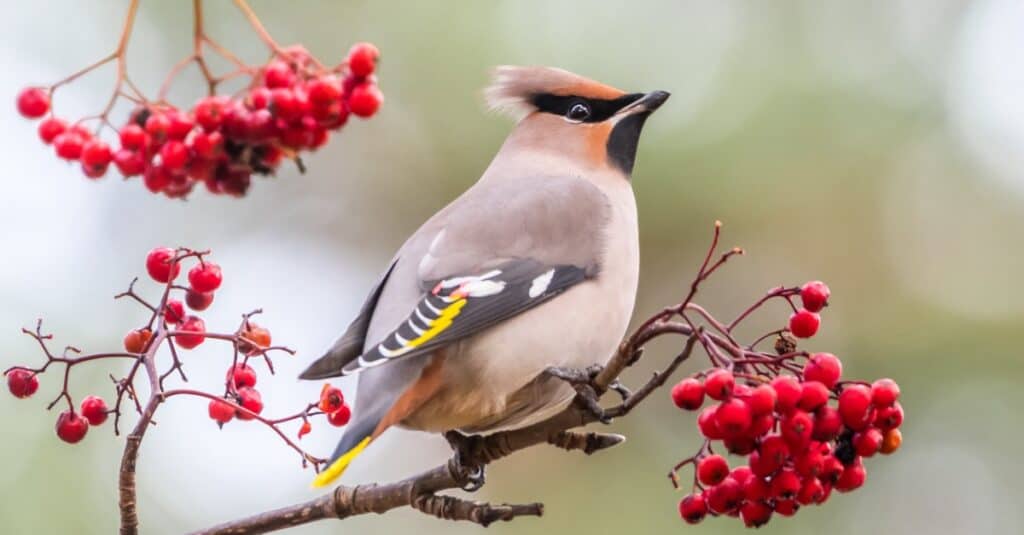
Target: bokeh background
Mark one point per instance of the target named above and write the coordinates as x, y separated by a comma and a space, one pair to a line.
875, 145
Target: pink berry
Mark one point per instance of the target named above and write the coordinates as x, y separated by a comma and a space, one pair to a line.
362, 59
814, 295
824, 368
813, 395
365, 100
159, 264
243, 376
194, 325
50, 128
251, 400
884, 392
94, 409
854, 405
221, 411
787, 393
33, 102
205, 277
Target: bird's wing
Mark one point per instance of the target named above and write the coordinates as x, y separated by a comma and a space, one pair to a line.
463, 305
350, 345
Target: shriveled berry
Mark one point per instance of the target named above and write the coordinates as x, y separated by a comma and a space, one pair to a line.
241, 375
340, 417
692, 508
854, 406
205, 277
719, 384
259, 336
755, 514
33, 102
824, 368
305, 429
814, 295
787, 393
135, 341
688, 394
734, 417
71, 427
804, 324
159, 264
50, 128
221, 411
94, 409
22, 383
249, 399
712, 470
813, 395
195, 327
891, 441
362, 59
331, 398
884, 392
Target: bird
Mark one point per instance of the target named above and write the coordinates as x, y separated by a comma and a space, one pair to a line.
533, 267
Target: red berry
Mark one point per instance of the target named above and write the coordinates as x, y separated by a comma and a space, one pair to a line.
156, 179
362, 59
22, 383
757, 488
852, 478
786, 507
159, 265
755, 514
129, 163
94, 409
786, 484
812, 492
725, 497
221, 411
133, 137
761, 425
814, 295
854, 405
241, 375
189, 341
774, 452
259, 98
787, 393
324, 91
796, 429
94, 171
198, 301
33, 102
331, 398
827, 423
365, 100
286, 104
174, 155
708, 423
180, 125
740, 445
734, 417
158, 125
278, 74
208, 145
712, 470
889, 417
71, 427
340, 417
205, 277
813, 395
209, 112
811, 461
825, 368
135, 341
831, 469
688, 394
68, 145
720, 384
174, 312
96, 153
692, 508
50, 128
741, 474
249, 399
884, 392
867, 442
762, 400
804, 324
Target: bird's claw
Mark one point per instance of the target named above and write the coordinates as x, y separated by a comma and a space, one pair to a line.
472, 475
586, 398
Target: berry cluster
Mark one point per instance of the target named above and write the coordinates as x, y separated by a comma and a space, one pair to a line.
170, 322
293, 104
802, 431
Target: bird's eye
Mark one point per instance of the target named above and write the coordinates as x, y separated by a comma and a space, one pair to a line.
578, 112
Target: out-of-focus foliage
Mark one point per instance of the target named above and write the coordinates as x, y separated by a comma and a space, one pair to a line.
875, 145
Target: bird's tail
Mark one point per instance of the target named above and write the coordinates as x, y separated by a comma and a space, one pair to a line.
356, 438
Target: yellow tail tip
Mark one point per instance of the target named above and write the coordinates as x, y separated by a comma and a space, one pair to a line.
338, 467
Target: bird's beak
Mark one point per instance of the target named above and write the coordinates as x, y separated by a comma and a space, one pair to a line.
647, 103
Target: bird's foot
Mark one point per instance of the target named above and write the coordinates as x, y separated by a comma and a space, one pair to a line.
582, 381
471, 472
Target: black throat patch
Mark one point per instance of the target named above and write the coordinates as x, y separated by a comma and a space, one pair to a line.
622, 142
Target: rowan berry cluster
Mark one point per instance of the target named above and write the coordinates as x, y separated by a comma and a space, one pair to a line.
292, 104
173, 324
800, 430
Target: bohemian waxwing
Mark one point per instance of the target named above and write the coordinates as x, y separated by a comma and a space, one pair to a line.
534, 266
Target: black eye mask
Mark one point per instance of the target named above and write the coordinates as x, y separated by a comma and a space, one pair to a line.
600, 109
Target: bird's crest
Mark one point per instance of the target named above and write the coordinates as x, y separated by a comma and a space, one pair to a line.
513, 88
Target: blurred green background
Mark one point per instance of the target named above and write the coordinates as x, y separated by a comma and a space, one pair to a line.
875, 145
